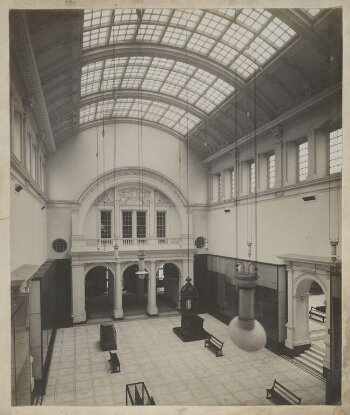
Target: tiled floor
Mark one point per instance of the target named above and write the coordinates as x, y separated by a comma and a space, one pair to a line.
175, 373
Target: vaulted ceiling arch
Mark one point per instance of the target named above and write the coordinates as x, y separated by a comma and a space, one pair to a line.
259, 55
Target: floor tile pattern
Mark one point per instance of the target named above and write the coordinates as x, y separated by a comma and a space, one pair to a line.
174, 372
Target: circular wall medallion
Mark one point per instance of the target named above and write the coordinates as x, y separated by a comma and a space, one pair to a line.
200, 242
59, 245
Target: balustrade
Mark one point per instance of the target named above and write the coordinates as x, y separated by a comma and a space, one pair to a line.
109, 243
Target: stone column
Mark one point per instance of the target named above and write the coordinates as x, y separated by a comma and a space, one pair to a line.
278, 162
134, 224
290, 163
78, 293
152, 309
290, 323
312, 156
118, 294
261, 172
322, 153
152, 216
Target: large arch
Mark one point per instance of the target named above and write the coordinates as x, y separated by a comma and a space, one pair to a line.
134, 299
301, 302
302, 271
99, 291
126, 176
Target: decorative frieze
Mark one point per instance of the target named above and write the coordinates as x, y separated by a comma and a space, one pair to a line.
133, 195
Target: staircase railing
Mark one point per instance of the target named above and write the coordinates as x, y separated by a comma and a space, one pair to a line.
137, 394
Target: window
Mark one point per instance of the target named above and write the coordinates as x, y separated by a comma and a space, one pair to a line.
199, 242
106, 226
232, 183
271, 170
220, 186
303, 161
335, 151
33, 161
252, 177
161, 225
59, 245
17, 135
127, 224
141, 224
28, 149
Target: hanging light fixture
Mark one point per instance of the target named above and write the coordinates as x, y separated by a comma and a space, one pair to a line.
244, 330
141, 273
333, 240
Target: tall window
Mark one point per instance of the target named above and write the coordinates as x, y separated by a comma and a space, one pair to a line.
252, 177
303, 161
271, 170
232, 183
127, 224
28, 149
141, 224
33, 162
335, 151
220, 186
161, 225
106, 226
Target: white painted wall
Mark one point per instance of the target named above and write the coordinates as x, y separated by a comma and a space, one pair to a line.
285, 223
74, 164
59, 220
285, 226
27, 229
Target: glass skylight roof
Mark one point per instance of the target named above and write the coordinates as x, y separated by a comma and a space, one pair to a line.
166, 76
167, 115
238, 40
312, 12
222, 35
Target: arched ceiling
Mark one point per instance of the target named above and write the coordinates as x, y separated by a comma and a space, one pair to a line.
197, 73
239, 41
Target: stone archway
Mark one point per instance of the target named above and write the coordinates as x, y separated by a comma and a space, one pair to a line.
302, 307
302, 271
168, 285
135, 291
99, 291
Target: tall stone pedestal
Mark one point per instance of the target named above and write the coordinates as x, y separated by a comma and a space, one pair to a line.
191, 324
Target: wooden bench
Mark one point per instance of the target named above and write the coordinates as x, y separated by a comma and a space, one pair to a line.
114, 361
316, 313
215, 345
281, 395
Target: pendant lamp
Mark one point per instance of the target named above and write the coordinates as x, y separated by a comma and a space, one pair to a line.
244, 330
141, 273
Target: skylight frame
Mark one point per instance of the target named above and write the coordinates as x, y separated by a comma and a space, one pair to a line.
201, 32
218, 34
164, 114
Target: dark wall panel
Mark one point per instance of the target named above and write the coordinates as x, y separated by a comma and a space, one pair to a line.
200, 276
63, 293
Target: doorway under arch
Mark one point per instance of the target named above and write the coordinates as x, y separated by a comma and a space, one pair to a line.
99, 293
134, 292
317, 323
310, 322
168, 279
